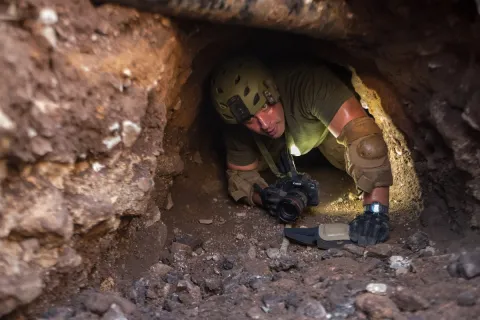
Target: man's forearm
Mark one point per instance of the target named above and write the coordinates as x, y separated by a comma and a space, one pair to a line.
380, 194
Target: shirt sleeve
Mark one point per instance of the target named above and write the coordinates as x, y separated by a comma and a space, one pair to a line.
240, 145
324, 93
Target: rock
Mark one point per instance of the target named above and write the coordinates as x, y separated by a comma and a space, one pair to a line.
159, 270
190, 292
312, 277
228, 263
428, 252
185, 298
273, 253
270, 300
180, 251
284, 264
171, 305
252, 252
335, 253
370, 265
130, 132
399, 262
100, 302
284, 246
173, 277
153, 216
152, 294
48, 16
41, 146
239, 236
377, 288
356, 286
213, 285
285, 284
466, 299
352, 196
338, 295
170, 165
408, 300
381, 250
258, 283
44, 214
255, 313
194, 291
139, 291
292, 300
205, 221
189, 240
467, 265
197, 158
354, 249
114, 313
417, 241
127, 73
178, 247
169, 204
241, 214
230, 284
182, 285
377, 307
145, 184
312, 309
401, 271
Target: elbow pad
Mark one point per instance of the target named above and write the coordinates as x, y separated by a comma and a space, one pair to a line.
240, 184
366, 154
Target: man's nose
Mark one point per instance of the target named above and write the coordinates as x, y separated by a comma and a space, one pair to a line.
263, 122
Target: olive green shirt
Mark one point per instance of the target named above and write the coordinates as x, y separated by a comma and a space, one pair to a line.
311, 95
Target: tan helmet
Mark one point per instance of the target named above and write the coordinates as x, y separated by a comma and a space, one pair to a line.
241, 87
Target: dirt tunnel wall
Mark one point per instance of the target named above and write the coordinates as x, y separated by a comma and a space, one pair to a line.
88, 92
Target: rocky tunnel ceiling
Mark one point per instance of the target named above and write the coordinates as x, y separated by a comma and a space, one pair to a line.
88, 92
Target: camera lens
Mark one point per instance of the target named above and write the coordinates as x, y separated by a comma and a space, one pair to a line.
291, 206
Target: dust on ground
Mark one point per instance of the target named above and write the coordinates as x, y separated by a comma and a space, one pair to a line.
235, 264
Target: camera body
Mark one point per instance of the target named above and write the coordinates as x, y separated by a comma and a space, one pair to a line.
302, 191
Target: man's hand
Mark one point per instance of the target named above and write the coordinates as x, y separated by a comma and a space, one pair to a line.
369, 228
270, 197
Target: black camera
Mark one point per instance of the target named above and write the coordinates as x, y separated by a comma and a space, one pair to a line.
302, 191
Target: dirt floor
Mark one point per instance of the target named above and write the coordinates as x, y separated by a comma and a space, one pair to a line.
235, 264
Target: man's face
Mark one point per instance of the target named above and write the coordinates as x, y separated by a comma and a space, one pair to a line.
268, 121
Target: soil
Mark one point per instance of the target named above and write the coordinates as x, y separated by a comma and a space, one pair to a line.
195, 253
237, 265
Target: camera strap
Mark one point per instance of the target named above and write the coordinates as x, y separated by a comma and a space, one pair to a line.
268, 157
287, 169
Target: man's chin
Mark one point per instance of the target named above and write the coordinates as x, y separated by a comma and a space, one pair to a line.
278, 134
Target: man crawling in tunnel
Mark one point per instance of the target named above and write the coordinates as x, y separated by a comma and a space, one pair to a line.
272, 113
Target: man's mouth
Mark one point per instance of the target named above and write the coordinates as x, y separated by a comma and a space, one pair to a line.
272, 131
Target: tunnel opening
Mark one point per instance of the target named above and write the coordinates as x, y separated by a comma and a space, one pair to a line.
203, 139
189, 250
